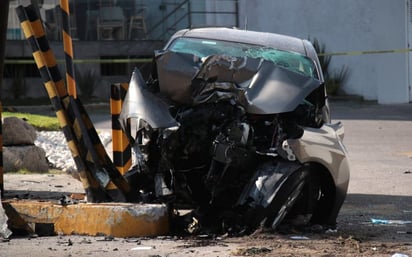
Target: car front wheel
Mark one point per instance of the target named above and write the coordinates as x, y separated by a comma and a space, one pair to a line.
285, 198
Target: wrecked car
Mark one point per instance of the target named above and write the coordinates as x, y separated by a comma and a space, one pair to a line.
235, 126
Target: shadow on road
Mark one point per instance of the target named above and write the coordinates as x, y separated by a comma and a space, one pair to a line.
36, 195
356, 216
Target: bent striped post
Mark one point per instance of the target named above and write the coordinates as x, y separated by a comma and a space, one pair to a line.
122, 153
95, 172
68, 48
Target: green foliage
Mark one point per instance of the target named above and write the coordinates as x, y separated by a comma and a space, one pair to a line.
28, 172
40, 122
336, 80
333, 79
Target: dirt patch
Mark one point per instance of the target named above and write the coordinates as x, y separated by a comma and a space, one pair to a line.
321, 245
356, 234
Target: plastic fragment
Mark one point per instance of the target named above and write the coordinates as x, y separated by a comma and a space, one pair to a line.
142, 248
299, 237
399, 255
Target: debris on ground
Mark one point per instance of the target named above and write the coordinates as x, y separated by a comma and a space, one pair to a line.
391, 222
252, 251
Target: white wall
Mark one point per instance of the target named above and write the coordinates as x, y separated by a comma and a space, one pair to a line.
345, 26
228, 20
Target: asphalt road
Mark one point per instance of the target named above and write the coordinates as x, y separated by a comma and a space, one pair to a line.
379, 142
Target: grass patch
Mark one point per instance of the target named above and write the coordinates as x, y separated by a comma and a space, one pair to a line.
28, 172
40, 122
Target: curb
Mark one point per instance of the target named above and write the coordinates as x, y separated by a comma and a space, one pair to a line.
109, 219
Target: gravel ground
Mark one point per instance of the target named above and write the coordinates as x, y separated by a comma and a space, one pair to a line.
57, 151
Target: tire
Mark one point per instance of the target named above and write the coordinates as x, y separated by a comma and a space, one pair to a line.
285, 199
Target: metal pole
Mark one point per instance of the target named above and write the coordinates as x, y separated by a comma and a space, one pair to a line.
101, 180
237, 13
68, 48
189, 10
46, 63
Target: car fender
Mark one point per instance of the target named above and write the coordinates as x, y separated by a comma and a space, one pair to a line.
324, 146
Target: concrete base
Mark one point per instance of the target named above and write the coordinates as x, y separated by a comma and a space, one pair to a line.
110, 219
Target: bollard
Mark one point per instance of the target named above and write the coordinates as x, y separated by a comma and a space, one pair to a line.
96, 170
47, 65
122, 153
68, 48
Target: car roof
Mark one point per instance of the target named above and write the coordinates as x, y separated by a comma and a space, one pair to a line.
277, 41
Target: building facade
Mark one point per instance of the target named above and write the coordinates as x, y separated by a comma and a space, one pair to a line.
348, 26
133, 29
110, 38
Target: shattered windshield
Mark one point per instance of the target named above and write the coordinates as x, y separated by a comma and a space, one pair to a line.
204, 47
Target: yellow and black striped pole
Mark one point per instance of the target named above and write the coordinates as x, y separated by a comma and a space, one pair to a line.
95, 168
68, 48
96, 152
122, 154
43, 55
46, 63
117, 188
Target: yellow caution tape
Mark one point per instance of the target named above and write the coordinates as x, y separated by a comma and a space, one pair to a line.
367, 52
146, 60
141, 60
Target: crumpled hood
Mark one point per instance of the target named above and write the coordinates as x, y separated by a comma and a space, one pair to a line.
260, 86
268, 88
140, 103
274, 89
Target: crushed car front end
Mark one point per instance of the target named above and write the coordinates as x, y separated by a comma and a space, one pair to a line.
236, 125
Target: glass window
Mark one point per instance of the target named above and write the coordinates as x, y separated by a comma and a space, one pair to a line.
202, 47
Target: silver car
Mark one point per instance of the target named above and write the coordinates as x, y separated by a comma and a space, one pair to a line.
235, 126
